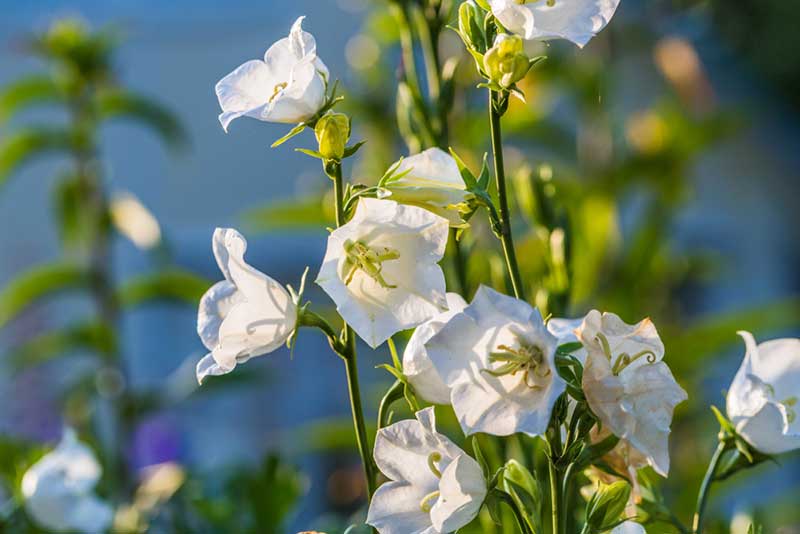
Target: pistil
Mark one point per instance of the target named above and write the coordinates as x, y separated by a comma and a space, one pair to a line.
369, 260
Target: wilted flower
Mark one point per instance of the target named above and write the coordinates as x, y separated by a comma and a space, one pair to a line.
498, 359
431, 180
59, 490
627, 385
575, 20
763, 398
246, 315
434, 487
288, 86
381, 268
417, 366
506, 62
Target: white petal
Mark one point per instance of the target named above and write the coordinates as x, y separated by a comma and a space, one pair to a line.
91, 516
764, 431
430, 168
515, 17
629, 527
462, 491
395, 509
575, 20
418, 367
208, 366
245, 91
301, 99
214, 306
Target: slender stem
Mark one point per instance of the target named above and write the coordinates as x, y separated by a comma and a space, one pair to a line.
555, 497
705, 488
394, 394
502, 195
350, 356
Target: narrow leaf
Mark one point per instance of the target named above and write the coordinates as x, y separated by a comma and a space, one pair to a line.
120, 104
294, 131
23, 146
38, 283
27, 92
97, 338
172, 285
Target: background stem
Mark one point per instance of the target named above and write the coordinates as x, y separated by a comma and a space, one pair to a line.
502, 195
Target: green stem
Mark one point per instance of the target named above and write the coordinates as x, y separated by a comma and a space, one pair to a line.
394, 394
349, 353
555, 497
705, 488
502, 195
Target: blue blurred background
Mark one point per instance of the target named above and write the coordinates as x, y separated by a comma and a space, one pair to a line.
742, 209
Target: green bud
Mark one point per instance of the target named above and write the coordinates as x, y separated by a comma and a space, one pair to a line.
604, 509
333, 133
484, 4
469, 24
506, 62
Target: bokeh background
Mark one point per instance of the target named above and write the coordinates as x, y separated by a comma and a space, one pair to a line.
672, 144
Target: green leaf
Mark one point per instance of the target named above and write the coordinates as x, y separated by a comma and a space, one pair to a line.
294, 131
480, 458
604, 509
351, 150
26, 92
174, 285
24, 145
312, 153
526, 492
95, 337
38, 283
469, 179
309, 213
121, 104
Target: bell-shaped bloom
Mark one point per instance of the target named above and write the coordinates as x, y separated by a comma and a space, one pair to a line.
498, 359
628, 386
417, 366
434, 487
575, 20
246, 315
763, 398
381, 268
431, 180
288, 86
59, 490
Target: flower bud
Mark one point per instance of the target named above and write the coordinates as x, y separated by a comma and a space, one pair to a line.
506, 62
604, 509
469, 25
332, 132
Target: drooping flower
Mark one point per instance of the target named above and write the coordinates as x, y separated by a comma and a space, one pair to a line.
288, 86
434, 487
575, 20
627, 385
59, 490
498, 359
246, 315
763, 398
417, 366
431, 180
381, 268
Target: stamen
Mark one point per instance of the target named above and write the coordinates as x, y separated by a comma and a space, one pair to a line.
428, 501
432, 459
604, 342
277, 89
791, 414
623, 360
360, 256
527, 359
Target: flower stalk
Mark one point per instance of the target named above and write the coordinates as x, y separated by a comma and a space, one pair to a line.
347, 347
725, 444
497, 103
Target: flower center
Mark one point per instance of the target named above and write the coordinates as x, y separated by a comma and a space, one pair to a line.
277, 90
623, 360
427, 502
550, 3
526, 359
361, 257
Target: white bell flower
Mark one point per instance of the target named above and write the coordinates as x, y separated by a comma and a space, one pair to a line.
575, 20
59, 490
288, 86
434, 487
762, 401
498, 359
629, 527
381, 268
431, 180
246, 315
627, 386
417, 366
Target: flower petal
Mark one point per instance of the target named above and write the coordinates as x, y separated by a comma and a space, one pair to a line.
208, 366
214, 306
395, 509
244, 91
462, 490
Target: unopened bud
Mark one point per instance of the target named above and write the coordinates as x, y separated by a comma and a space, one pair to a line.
604, 509
469, 24
332, 132
506, 62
